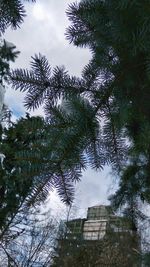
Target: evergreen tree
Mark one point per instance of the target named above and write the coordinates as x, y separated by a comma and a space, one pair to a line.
114, 89
117, 32
15, 184
73, 136
8, 53
104, 116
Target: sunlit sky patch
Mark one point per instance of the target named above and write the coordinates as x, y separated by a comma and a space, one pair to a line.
39, 12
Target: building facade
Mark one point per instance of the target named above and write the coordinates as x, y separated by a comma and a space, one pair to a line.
101, 239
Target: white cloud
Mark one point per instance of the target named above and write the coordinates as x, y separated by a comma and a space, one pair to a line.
39, 12
95, 187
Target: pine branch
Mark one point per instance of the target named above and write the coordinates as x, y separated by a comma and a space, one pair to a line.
12, 14
64, 186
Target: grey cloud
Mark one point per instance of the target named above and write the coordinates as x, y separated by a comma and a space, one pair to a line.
94, 188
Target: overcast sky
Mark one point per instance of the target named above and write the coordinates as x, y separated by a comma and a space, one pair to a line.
43, 31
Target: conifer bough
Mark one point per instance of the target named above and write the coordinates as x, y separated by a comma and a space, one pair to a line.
105, 116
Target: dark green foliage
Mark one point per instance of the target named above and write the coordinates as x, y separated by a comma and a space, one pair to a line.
15, 183
117, 32
12, 13
43, 86
66, 142
104, 115
7, 54
60, 155
146, 259
75, 138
